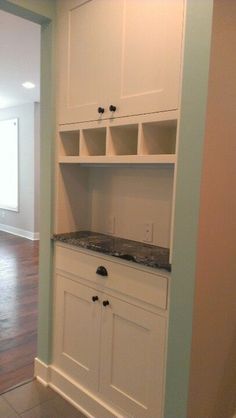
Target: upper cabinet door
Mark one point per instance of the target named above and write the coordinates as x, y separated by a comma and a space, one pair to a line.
86, 30
125, 53
150, 56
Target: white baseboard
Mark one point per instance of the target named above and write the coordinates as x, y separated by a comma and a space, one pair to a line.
34, 236
80, 397
41, 372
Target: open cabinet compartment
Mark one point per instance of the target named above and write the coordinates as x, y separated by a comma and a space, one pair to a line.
123, 140
158, 138
93, 142
69, 143
92, 197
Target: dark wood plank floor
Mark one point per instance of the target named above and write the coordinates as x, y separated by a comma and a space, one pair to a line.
18, 308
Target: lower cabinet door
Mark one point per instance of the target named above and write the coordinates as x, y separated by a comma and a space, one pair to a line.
132, 358
77, 331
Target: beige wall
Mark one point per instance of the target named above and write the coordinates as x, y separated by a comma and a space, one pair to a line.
213, 366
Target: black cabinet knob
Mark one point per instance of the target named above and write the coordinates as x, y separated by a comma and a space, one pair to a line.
101, 110
94, 298
106, 303
102, 271
112, 108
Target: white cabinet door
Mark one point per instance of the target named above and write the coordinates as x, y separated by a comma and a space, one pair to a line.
77, 331
132, 358
150, 61
125, 53
87, 42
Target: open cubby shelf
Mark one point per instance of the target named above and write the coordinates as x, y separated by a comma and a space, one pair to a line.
123, 140
158, 138
141, 142
93, 142
69, 144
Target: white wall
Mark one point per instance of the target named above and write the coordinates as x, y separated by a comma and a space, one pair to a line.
25, 221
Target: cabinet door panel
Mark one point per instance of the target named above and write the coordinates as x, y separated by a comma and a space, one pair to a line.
83, 84
132, 359
77, 331
88, 31
151, 56
121, 52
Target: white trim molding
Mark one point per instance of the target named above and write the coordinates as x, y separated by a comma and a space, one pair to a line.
33, 236
41, 372
77, 395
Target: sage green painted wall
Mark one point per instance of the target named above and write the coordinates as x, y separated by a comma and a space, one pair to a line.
47, 124
36, 10
192, 129
43, 12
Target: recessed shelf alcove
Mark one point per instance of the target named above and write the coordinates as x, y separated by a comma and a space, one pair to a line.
69, 143
123, 140
134, 140
93, 142
158, 138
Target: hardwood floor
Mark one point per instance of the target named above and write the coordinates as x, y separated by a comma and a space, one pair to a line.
18, 308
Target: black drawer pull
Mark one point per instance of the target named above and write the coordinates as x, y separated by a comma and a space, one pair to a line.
101, 110
94, 298
106, 303
112, 108
102, 271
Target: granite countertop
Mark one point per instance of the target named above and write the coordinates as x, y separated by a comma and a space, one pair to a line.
134, 251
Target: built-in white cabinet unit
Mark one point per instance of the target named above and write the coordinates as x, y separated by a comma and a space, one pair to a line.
119, 76
118, 57
110, 332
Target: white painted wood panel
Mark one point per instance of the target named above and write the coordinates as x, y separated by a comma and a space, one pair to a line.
133, 195
77, 331
151, 44
87, 40
140, 283
132, 358
168, 117
71, 206
119, 52
120, 159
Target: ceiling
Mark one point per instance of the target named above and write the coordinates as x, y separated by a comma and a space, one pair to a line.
19, 60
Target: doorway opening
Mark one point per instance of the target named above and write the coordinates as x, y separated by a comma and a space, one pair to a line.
19, 197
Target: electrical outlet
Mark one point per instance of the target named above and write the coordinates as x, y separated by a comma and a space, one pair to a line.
148, 232
111, 224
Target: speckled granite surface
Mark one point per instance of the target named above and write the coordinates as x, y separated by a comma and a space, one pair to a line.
138, 252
